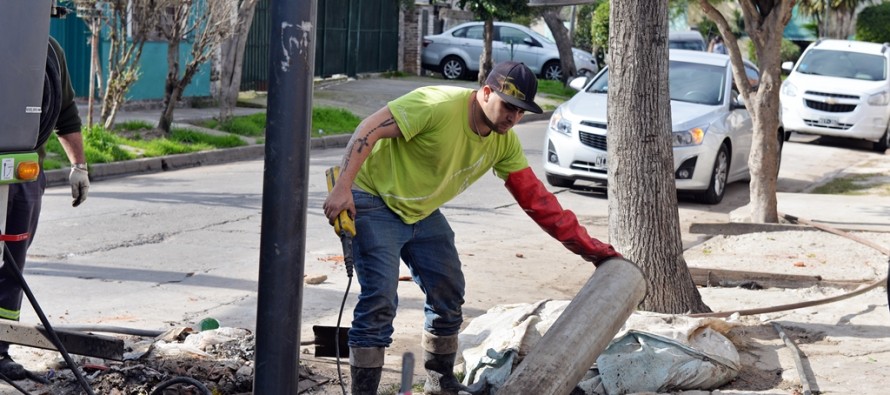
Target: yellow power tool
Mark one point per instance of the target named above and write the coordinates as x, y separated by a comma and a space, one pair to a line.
344, 226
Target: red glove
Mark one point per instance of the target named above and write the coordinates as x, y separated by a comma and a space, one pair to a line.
542, 206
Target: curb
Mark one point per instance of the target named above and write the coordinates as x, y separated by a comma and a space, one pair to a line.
104, 171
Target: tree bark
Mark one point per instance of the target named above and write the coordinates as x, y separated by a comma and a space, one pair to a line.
485, 63
643, 217
563, 43
232, 51
171, 86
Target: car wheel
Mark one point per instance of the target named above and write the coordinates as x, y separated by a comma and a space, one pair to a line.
453, 68
552, 70
717, 186
560, 182
881, 145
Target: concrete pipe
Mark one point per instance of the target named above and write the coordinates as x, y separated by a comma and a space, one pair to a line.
590, 321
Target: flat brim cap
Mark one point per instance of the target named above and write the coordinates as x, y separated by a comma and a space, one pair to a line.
515, 83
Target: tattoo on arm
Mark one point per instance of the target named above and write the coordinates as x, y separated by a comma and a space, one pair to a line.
361, 142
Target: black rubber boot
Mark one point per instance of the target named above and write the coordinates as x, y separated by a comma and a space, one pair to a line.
365, 367
12, 370
439, 353
440, 375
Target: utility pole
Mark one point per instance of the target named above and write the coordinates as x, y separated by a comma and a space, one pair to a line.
285, 196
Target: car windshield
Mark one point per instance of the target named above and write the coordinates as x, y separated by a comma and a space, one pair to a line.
844, 64
689, 82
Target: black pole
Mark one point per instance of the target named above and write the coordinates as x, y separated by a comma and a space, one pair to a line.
285, 185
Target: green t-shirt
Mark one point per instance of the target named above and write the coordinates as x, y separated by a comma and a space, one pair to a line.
438, 157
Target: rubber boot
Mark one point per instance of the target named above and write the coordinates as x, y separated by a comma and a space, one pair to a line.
365, 368
439, 353
10, 369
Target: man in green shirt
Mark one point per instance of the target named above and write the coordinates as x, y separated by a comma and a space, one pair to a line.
402, 164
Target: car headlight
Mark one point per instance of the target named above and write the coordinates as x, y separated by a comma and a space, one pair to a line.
693, 136
788, 89
879, 99
558, 124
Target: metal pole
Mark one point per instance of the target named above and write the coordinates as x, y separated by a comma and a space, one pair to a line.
285, 185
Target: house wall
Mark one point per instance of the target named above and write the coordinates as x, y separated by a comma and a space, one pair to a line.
153, 73
73, 35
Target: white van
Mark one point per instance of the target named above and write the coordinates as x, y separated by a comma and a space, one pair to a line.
840, 88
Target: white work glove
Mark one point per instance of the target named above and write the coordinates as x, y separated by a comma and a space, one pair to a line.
80, 183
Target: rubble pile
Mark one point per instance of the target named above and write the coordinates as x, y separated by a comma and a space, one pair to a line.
221, 359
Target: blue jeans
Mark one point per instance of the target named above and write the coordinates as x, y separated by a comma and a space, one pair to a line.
427, 247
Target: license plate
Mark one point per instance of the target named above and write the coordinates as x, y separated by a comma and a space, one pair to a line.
600, 161
828, 121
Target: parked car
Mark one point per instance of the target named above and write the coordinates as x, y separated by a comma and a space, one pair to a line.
712, 130
691, 40
455, 53
840, 88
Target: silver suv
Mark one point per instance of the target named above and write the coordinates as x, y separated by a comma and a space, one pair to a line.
455, 53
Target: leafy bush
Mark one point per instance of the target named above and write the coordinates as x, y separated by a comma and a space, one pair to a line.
599, 29
873, 24
582, 30
790, 52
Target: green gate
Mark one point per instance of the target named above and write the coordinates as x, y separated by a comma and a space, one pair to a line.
353, 36
74, 38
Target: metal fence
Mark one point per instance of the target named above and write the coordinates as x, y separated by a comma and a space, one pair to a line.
353, 36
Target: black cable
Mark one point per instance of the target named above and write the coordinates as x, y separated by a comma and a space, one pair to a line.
181, 380
53, 337
337, 332
13, 384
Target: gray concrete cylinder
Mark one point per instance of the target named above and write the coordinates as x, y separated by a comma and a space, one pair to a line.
590, 321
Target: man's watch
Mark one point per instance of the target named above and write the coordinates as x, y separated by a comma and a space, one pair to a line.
79, 166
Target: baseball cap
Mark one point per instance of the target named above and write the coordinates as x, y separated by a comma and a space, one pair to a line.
515, 84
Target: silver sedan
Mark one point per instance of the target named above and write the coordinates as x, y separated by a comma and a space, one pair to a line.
712, 130
455, 53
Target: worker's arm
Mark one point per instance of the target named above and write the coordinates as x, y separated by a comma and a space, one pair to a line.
79, 177
378, 126
541, 205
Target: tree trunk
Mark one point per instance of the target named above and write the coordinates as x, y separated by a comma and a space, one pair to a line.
764, 107
644, 223
232, 60
485, 64
171, 86
563, 43
765, 22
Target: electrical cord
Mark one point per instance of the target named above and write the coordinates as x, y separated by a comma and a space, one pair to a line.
181, 380
337, 332
13, 384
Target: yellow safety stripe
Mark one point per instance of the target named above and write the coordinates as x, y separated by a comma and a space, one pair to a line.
10, 314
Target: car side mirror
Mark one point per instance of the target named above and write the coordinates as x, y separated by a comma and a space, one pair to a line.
738, 101
578, 83
787, 66
528, 41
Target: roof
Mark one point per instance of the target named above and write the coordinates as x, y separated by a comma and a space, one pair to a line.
851, 46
